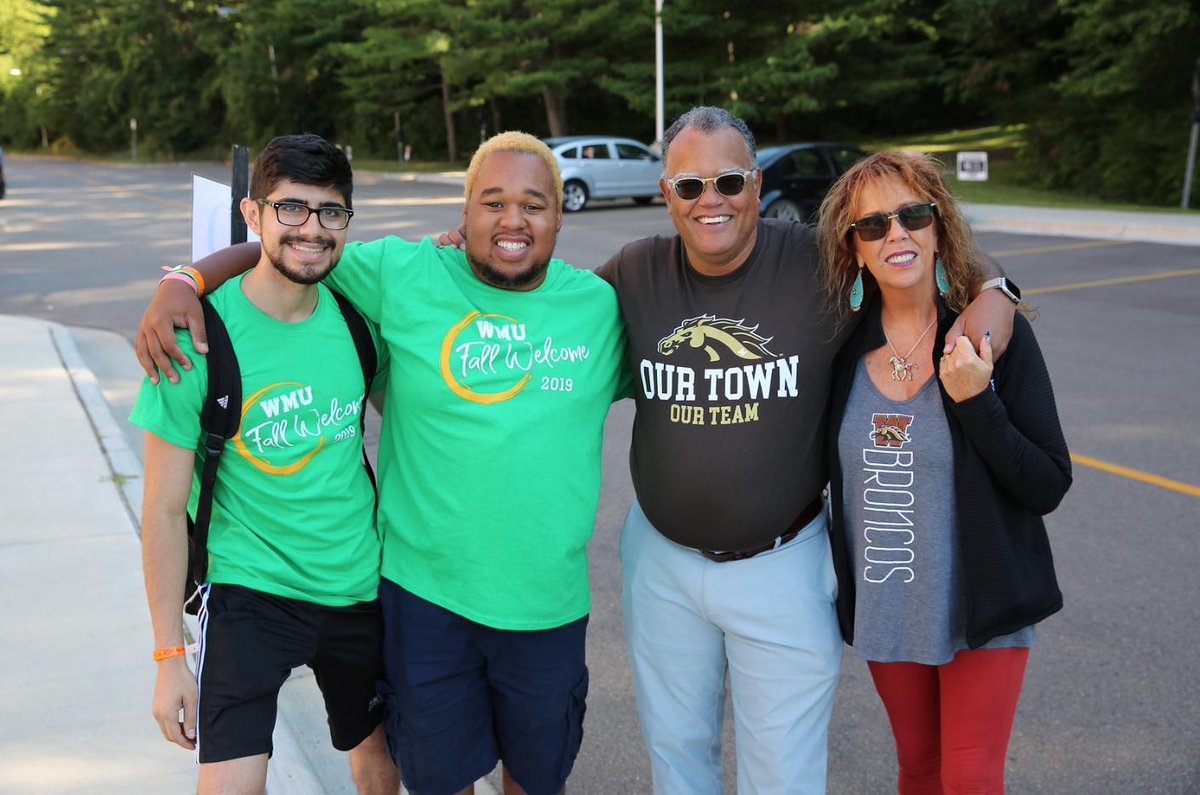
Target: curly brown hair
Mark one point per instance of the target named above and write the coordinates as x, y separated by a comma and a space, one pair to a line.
921, 174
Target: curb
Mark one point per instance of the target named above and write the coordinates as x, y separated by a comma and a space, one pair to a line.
295, 776
125, 468
292, 771
1168, 228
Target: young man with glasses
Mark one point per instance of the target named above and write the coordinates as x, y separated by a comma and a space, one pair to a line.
293, 551
505, 364
725, 554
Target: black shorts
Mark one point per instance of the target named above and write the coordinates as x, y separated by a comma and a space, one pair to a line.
249, 643
461, 695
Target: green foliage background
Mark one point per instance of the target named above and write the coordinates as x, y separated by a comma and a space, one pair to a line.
1101, 87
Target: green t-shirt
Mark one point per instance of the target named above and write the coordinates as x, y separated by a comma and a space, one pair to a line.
489, 458
293, 505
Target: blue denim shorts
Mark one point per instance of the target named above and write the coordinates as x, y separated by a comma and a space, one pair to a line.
460, 696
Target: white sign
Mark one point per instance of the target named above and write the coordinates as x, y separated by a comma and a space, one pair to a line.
210, 217
973, 166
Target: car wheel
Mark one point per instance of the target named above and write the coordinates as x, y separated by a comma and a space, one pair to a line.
785, 209
643, 200
575, 196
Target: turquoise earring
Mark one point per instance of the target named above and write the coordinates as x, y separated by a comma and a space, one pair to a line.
856, 292
939, 273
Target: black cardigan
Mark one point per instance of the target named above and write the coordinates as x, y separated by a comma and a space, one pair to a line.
1011, 467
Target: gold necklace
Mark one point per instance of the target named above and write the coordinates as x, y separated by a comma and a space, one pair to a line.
902, 368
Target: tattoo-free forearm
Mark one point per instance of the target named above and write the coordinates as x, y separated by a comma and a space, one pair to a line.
986, 268
221, 266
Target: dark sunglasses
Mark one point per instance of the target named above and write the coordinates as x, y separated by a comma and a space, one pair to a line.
912, 218
729, 184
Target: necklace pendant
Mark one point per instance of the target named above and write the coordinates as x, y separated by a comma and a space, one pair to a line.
902, 369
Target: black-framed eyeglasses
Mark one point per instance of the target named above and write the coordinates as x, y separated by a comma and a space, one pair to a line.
731, 183
914, 217
294, 214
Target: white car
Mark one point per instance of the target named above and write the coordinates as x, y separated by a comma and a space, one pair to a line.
602, 167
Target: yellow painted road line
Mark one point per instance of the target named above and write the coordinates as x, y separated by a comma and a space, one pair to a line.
1020, 252
1133, 474
1149, 277
127, 191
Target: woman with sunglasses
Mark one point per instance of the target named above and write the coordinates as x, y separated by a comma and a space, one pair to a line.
941, 470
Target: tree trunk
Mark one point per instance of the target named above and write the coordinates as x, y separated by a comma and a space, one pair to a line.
497, 127
451, 143
556, 113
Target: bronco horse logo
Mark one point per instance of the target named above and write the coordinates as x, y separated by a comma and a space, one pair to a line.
708, 330
890, 430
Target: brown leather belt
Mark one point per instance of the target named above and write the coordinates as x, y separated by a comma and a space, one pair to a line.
807, 515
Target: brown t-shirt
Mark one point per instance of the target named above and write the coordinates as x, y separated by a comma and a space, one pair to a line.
730, 377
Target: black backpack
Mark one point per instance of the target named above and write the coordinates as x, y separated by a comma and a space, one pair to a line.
222, 413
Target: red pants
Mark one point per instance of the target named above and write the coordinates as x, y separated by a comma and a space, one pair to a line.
952, 721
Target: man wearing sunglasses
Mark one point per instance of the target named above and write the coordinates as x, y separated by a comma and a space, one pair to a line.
293, 552
725, 554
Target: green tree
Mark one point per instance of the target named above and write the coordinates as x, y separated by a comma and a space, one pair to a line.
279, 67
104, 62
1122, 118
22, 30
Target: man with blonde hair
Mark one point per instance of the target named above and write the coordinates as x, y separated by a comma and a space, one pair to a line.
504, 362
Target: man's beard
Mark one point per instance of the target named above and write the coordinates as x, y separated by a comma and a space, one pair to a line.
304, 273
497, 278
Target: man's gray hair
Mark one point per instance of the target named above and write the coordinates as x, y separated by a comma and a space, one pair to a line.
707, 119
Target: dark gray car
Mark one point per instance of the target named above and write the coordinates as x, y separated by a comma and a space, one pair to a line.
795, 177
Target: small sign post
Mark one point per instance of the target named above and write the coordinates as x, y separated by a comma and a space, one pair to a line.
133, 139
1191, 155
973, 166
239, 191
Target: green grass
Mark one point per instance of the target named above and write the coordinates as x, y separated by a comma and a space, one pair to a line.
1006, 138
411, 167
1004, 184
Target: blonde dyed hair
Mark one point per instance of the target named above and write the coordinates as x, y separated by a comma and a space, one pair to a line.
922, 175
514, 141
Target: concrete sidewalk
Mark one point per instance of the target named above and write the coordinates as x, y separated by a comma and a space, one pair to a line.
1174, 228
75, 668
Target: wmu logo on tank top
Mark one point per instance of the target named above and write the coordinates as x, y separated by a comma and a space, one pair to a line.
717, 371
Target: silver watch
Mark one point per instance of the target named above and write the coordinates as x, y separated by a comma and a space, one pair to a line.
1004, 285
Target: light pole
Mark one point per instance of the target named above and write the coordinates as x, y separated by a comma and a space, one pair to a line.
658, 74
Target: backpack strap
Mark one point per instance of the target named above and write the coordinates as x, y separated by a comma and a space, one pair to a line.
368, 359
219, 419
221, 415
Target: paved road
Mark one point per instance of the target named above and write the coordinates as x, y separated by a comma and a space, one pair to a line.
1111, 701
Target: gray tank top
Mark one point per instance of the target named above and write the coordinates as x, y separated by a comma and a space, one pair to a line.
899, 505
